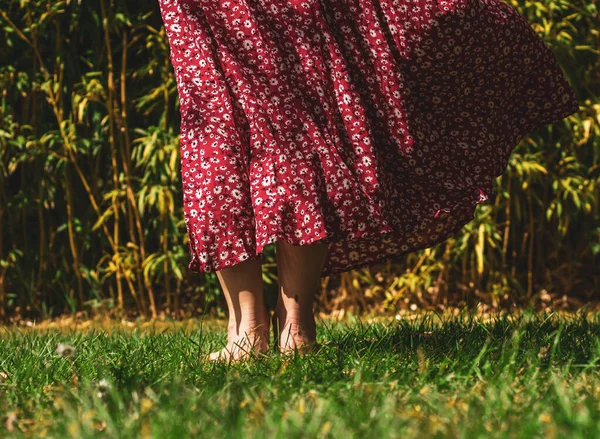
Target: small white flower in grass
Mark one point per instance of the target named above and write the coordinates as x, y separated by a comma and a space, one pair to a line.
65, 350
102, 387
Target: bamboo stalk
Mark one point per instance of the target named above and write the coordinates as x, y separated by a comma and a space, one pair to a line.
113, 154
541, 244
513, 268
124, 143
443, 277
42, 228
176, 306
71, 233
3, 272
165, 243
531, 246
135, 223
42, 243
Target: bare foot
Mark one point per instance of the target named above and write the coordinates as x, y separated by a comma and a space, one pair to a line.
251, 338
296, 332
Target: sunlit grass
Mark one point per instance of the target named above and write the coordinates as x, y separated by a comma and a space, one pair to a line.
526, 375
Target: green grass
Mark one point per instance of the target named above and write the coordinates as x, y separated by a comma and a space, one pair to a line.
527, 376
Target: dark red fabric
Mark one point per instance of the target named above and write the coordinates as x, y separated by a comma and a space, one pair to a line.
376, 126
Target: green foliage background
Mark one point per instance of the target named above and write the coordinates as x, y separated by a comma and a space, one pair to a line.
91, 210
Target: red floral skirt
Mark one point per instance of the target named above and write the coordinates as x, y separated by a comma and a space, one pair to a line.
376, 126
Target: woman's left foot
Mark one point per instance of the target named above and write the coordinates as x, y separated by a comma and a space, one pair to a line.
295, 332
249, 338
242, 348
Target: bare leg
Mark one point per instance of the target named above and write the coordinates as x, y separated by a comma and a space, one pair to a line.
248, 328
299, 269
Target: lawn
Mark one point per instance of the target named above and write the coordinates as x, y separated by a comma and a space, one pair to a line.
526, 375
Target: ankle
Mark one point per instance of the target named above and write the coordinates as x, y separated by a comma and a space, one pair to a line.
295, 316
304, 322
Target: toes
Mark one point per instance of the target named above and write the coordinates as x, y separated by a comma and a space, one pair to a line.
218, 355
214, 356
240, 350
227, 354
